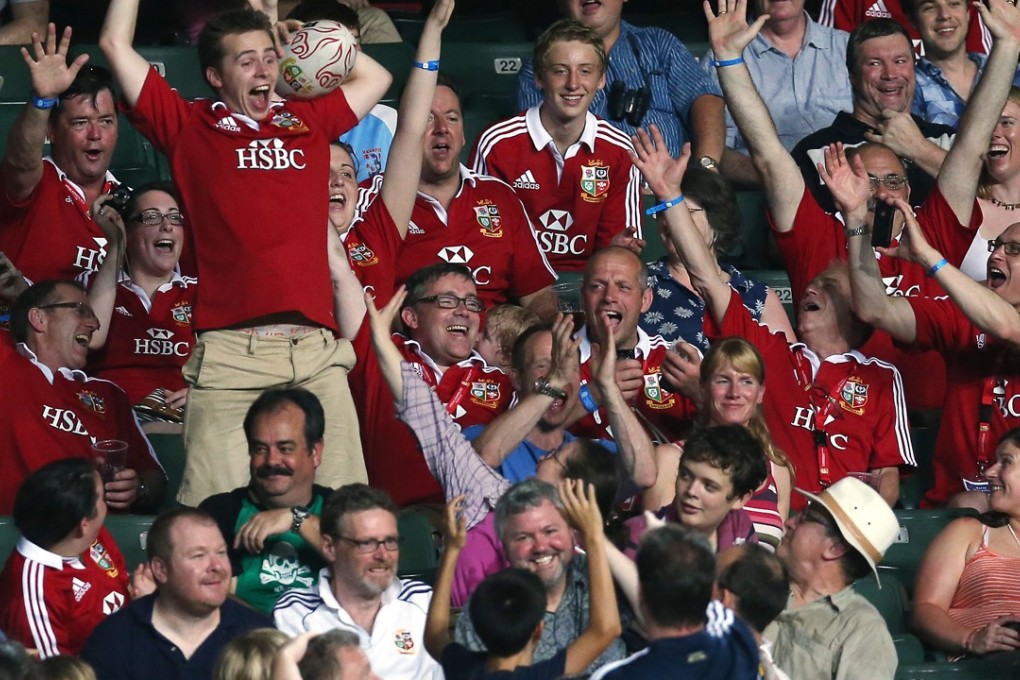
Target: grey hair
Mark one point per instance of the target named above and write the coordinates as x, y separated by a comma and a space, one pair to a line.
521, 497
320, 662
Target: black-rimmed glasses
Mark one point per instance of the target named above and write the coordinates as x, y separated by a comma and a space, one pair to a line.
1011, 248
446, 301
83, 308
154, 218
370, 545
892, 182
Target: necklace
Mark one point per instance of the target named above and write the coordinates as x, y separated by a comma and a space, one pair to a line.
1010, 527
1003, 205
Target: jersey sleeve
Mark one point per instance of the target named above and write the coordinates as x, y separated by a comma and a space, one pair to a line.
373, 246
530, 269
623, 205
810, 246
331, 112
944, 231
940, 325
893, 446
160, 113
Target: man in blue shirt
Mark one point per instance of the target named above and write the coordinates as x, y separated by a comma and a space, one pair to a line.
682, 101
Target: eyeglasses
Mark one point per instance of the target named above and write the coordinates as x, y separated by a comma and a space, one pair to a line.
370, 545
1011, 248
445, 301
154, 218
891, 182
83, 308
811, 513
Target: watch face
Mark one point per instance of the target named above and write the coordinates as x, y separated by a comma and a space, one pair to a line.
707, 162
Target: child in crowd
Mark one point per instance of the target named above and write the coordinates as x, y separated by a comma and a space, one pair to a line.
503, 324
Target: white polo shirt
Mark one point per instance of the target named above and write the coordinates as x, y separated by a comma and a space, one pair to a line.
396, 645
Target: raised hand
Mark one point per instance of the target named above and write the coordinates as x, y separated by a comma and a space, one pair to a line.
662, 172
581, 508
566, 359
51, 74
898, 131
455, 526
627, 239
846, 179
1002, 19
913, 246
109, 220
728, 32
440, 14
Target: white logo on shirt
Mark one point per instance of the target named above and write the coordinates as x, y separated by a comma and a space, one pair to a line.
456, 254
526, 181
79, 588
228, 124
413, 228
159, 343
269, 154
122, 310
878, 10
556, 220
112, 603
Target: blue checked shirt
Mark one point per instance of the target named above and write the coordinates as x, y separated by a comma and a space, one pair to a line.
935, 100
643, 53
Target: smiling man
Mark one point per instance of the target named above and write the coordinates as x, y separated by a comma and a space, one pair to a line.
359, 590
180, 630
571, 169
233, 157
46, 202
50, 409
880, 59
272, 525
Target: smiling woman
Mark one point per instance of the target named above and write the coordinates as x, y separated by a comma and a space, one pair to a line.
143, 346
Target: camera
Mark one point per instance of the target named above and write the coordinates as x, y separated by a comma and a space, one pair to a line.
119, 198
630, 104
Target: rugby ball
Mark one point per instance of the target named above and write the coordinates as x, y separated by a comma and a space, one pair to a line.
316, 60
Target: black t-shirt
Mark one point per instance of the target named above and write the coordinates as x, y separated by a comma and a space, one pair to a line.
460, 663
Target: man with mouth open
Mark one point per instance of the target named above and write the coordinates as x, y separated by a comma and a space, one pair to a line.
272, 525
51, 410
46, 202
359, 590
233, 158
880, 59
180, 630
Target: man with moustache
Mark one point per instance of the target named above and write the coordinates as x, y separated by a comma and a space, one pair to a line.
272, 525
359, 590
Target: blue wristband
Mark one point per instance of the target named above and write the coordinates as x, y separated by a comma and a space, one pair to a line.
427, 65
665, 205
728, 62
587, 400
44, 102
937, 266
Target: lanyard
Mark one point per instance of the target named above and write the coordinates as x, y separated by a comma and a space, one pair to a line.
991, 388
802, 371
77, 197
429, 375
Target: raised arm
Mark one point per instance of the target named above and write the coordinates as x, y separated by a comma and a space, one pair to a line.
604, 622
103, 286
401, 184
850, 188
128, 66
505, 433
635, 447
729, 34
664, 175
961, 169
51, 75
348, 294
437, 625
387, 352
27, 18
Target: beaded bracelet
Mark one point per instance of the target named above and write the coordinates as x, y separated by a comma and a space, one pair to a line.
427, 65
665, 205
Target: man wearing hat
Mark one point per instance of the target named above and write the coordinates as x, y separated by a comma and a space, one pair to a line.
827, 630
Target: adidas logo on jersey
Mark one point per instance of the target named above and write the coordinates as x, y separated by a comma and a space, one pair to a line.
878, 11
413, 228
122, 310
526, 181
228, 124
79, 588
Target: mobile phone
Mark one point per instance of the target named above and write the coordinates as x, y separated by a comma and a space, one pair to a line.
881, 227
622, 354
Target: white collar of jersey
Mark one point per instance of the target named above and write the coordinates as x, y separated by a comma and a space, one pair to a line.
30, 551
415, 346
816, 361
541, 138
466, 175
644, 344
69, 373
250, 122
64, 178
329, 599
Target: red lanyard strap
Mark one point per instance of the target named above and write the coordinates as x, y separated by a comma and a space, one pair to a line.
821, 437
462, 390
990, 386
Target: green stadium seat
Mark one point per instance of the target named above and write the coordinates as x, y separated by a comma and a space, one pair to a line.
912, 488
754, 232
397, 58
917, 529
170, 451
489, 27
889, 600
486, 67
17, 82
779, 281
8, 537
909, 649
419, 555
131, 533
479, 113
978, 669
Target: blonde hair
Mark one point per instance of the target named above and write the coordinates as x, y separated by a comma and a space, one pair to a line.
250, 656
744, 358
506, 322
985, 182
64, 667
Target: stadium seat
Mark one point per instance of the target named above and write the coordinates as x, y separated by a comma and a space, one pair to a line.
912, 488
397, 58
909, 649
978, 669
419, 555
17, 82
779, 281
8, 537
917, 529
889, 600
486, 67
479, 113
171, 454
131, 533
489, 27
753, 252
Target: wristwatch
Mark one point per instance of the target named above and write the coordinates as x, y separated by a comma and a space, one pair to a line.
300, 512
708, 163
542, 386
855, 231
